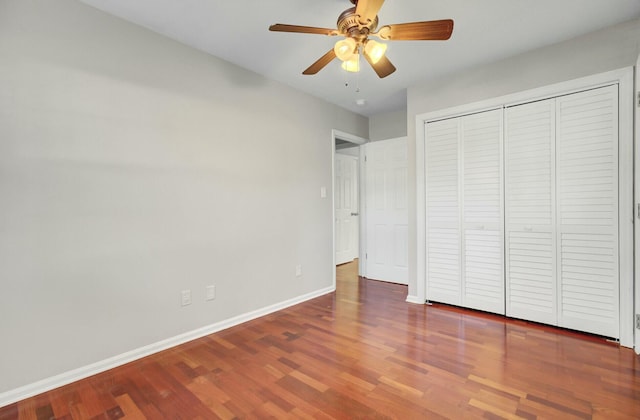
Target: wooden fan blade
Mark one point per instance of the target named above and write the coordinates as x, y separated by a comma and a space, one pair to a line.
368, 10
321, 63
279, 27
436, 30
383, 67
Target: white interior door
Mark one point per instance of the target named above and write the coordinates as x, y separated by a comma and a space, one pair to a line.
464, 201
483, 277
587, 211
562, 211
346, 202
387, 216
531, 283
443, 238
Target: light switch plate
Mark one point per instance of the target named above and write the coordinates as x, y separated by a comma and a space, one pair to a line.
211, 292
186, 297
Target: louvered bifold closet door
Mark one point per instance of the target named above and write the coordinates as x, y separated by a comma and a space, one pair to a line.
587, 211
464, 197
443, 245
530, 237
482, 191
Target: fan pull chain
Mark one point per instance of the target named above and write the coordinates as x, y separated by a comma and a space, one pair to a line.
358, 77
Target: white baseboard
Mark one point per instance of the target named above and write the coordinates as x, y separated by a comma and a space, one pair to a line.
415, 299
18, 394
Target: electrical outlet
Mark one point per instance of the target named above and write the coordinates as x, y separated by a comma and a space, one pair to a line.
298, 270
186, 297
211, 292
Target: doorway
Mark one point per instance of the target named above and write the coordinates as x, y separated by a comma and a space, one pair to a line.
347, 211
347, 207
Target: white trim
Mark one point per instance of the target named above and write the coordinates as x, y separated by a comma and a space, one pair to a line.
415, 299
362, 209
545, 92
333, 208
625, 206
635, 214
352, 138
421, 212
18, 394
624, 79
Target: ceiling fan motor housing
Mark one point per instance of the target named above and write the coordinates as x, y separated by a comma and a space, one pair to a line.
350, 25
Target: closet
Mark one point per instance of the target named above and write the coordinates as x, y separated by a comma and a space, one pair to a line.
522, 211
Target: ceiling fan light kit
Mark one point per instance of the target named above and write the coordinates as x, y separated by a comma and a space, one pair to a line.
375, 50
356, 25
352, 64
345, 49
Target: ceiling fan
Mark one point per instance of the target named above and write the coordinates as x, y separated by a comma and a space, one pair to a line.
356, 25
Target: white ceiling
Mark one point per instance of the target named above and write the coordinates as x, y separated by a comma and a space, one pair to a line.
485, 31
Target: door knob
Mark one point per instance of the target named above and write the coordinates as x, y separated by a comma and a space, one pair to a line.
355, 214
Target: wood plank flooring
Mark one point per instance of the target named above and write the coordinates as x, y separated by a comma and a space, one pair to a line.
363, 352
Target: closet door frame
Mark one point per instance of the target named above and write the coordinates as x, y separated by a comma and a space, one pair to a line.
624, 78
636, 207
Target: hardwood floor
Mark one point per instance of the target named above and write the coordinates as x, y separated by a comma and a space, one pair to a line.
363, 352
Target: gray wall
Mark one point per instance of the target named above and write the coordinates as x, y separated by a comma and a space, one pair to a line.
389, 125
609, 49
131, 168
